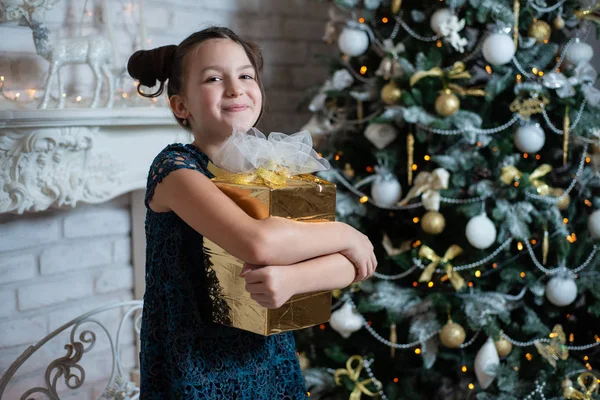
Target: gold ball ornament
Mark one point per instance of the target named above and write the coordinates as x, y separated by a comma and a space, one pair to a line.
503, 347
433, 222
563, 204
447, 103
540, 31
391, 93
558, 22
452, 335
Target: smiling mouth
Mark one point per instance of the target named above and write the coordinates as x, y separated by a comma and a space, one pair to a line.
236, 108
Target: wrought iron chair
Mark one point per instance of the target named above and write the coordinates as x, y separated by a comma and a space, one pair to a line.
68, 369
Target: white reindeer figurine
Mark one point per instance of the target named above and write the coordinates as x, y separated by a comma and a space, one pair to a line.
94, 50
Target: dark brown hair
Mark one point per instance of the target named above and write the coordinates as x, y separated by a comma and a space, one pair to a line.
167, 63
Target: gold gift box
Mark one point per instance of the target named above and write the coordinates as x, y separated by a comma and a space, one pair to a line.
304, 198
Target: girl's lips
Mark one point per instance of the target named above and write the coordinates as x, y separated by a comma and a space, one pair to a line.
236, 108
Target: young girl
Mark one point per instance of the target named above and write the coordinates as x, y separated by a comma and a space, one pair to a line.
213, 81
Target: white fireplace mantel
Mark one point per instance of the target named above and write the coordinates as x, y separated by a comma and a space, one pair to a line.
59, 158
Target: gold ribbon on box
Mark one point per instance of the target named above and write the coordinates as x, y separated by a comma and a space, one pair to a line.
453, 251
428, 184
592, 13
272, 178
353, 372
458, 71
571, 393
510, 173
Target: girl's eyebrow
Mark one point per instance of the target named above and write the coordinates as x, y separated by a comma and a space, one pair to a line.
220, 69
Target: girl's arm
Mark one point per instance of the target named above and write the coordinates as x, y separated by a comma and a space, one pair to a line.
272, 286
272, 241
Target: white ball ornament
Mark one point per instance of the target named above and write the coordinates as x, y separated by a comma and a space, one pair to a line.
386, 190
480, 232
353, 41
529, 138
498, 49
438, 17
594, 224
345, 321
561, 291
579, 53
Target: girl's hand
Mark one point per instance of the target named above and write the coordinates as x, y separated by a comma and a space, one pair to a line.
360, 253
269, 286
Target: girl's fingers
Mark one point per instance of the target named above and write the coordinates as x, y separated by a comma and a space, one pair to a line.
255, 288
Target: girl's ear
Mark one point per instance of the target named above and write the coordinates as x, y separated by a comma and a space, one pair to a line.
178, 107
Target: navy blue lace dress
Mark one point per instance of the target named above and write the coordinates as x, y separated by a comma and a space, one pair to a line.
183, 355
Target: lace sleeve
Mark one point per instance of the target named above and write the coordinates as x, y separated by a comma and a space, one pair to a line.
172, 158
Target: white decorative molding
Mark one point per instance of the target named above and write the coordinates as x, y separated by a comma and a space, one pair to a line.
62, 158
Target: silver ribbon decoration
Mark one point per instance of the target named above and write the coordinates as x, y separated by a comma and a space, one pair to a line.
390, 64
584, 75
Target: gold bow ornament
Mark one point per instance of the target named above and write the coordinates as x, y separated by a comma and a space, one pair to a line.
428, 184
591, 14
556, 350
511, 173
453, 251
353, 372
458, 71
571, 393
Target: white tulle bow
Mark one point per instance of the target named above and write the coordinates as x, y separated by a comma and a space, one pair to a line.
244, 152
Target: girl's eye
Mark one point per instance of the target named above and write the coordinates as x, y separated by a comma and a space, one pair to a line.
245, 76
213, 79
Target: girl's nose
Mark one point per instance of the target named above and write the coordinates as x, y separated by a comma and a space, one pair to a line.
234, 90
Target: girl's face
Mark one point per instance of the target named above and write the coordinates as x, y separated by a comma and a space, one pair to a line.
221, 90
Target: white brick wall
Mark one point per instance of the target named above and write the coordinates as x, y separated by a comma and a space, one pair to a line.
57, 265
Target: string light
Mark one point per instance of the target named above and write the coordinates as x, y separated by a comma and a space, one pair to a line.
415, 284
565, 221
384, 20
537, 157
534, 70
470, 284
522, 274
520, 246
438, 43
525, 155
528, 356
488, 69
533, 242
337, 157
471, 386
78, 99
588, 160
464, 368
417, 351
430, 284
427, 157
363, 69
17, 95
477, 273
588, 203
369, 169
416, 220
64, 95
395, 380
322, 327
414, 167
495, 265
416, 244
364, 199
361, 20
519, 77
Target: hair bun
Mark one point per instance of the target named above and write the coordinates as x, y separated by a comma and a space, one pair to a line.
149, 66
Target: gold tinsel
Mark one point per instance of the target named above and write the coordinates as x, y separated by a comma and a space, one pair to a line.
545, 246
393, 339
396, 4
569, 392
410, 148
528, 107
566, 124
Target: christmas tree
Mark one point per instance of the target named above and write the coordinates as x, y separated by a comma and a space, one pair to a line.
464, 141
